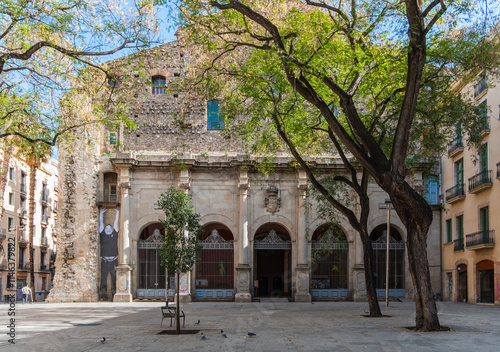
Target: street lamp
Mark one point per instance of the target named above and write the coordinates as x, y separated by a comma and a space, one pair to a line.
387, 205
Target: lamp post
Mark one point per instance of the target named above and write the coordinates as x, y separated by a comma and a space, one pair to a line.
387, 205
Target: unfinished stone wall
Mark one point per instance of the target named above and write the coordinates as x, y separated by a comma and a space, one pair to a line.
76, 265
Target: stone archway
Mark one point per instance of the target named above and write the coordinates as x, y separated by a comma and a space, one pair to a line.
272, 261
396, 261
151, 276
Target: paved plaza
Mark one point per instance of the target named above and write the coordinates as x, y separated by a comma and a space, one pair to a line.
280, 326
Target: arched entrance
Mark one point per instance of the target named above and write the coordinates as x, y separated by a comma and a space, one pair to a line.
462, 295
151, 274
486, 281
329, 254
272, 261
396, 261
215, 263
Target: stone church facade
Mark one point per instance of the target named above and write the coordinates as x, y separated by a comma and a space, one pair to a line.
259, 229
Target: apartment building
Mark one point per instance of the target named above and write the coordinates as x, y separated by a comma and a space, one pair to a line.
15, 220
471, 180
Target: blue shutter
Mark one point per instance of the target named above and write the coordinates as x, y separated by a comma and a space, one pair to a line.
215, 120
431, 190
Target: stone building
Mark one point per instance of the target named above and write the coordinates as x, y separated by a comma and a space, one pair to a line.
15, 219
259, 229
471, 259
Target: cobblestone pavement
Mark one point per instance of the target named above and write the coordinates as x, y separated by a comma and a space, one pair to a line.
322, 326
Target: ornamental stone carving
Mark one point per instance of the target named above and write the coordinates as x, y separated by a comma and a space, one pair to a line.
272, 202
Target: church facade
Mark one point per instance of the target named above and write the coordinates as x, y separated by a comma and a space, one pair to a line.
260, 230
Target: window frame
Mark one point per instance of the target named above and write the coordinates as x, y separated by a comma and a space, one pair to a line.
449, 230
459, 225
215, 117
156, 84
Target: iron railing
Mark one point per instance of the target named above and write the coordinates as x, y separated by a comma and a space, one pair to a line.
457, 143
455, 191
482, 178
23, 188
44, 241
44, 197
45, 219
458, 244
480, 86
22, 236
481, 237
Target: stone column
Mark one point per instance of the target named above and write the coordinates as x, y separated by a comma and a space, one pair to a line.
302, 271
123, 270
243, 269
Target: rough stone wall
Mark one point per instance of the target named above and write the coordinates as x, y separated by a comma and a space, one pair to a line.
76, 263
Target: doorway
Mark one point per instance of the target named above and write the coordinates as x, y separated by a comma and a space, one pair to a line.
462, 295
486, 281
272, 265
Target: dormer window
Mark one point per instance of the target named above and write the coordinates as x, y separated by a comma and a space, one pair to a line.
159, 83
215, 118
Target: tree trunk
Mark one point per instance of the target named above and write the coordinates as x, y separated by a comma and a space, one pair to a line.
31, 222
178, 306
371, 291
416, 215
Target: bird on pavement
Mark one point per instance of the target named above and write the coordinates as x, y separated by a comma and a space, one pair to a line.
103, 339
223, 334
367, 311
203, 337
251, 334
197, 322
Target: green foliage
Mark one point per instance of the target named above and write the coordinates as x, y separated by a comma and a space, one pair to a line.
182, 228
50, 69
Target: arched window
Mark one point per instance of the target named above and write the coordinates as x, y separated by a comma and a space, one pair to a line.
159, 83
396, 260
215, 263
329, 277
215, 118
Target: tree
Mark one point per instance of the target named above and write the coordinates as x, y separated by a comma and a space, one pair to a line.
362, 65
49, 48
182, 228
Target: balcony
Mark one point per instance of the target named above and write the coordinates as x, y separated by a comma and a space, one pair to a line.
458, 244
3, 233
480, 240
44, 268
22, 236
481, 86
24, 266
44, 197
110, 200
45, 219
455, 193
24, 213
23, 188
480, 182
44, 242
456, 147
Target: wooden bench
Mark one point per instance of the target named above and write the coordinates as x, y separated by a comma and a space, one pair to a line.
169, 312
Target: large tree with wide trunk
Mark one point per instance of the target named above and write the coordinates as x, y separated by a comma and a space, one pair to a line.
362, 66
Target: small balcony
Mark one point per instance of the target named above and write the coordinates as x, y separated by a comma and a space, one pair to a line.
44, 268
24, 213
44, 197
456, 147
458, 244
480, 240
22, 236
480, 182
110, 200
455, 193
44, 242
23, 188
45, 219
24, 266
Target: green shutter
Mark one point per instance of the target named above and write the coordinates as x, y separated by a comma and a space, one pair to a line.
449, 232
460, 227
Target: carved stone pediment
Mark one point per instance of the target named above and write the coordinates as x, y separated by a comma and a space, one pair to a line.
273, 201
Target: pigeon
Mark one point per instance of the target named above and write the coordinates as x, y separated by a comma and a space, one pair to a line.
103, 339
251, 334
367, 311
203, 337
223, 334
197, 322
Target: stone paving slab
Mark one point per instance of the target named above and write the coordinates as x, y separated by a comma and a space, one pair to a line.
322, 326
